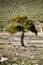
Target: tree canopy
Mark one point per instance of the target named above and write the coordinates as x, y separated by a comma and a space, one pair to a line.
22, 24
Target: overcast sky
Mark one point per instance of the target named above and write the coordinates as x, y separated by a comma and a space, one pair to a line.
12, 8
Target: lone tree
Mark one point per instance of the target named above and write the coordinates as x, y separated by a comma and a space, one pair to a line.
21, 23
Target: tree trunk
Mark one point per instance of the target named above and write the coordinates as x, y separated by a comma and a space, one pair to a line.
22, 39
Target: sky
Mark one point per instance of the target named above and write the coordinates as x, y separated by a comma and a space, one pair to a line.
33, 9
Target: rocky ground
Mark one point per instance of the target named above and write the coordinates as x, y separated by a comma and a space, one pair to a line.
15, 50
22, 55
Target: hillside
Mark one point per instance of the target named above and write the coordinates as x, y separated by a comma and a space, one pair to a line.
11, 8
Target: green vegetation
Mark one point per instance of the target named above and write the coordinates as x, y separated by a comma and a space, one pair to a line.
5, 63
6, 46
21, 23
24, 61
